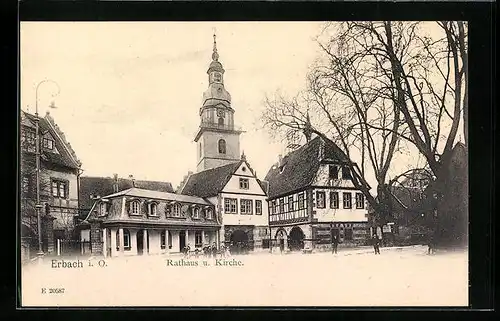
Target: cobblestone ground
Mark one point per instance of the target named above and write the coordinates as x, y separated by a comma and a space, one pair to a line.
397, 277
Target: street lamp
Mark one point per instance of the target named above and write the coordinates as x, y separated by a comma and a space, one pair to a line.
37, 137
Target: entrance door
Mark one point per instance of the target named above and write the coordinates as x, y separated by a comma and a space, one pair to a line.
239, 239
182, 240
140, 242
296, 239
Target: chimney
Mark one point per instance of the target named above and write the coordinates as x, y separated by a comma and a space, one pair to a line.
115, 183
131, 177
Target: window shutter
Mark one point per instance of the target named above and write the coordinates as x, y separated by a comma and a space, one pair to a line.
66, 189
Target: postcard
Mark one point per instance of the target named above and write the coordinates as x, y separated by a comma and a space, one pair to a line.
223, 164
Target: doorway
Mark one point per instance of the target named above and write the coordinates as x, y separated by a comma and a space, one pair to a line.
296, 239
182, 240
141, 247
239, 240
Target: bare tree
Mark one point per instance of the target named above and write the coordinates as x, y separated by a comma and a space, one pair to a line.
383, 85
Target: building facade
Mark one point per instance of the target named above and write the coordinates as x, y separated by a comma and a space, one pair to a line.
312, 197
59, 175
141, 222
240, 203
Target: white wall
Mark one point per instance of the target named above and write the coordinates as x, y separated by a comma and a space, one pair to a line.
340, 214
254, 192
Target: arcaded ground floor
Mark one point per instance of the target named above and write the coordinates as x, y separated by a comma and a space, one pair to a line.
396, 277
126, 241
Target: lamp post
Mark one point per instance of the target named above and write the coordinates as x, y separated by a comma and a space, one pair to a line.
37, 154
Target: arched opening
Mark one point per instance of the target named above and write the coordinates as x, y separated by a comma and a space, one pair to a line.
296, 239
221, 121
222, 146
239, 242
281, 239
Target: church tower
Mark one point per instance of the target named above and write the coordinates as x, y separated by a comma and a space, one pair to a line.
217, 139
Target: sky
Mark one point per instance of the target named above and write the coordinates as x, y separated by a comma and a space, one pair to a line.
129, 93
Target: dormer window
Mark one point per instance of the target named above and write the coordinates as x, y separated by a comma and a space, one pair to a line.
209, 213
134, 207
346, 172
333, 172
196, 212
103, 210
176, 210
153, 209
48, 143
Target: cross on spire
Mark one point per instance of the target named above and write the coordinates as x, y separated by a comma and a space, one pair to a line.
215, 55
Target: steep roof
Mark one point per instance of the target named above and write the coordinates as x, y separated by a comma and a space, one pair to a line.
298, 168
67, 156
209, 182
104, 186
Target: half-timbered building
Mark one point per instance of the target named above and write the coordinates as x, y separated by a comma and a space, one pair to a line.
312, 197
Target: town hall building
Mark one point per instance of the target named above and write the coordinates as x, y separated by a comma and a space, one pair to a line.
312, 197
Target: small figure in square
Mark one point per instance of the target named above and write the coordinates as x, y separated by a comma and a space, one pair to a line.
376, 243
335, 244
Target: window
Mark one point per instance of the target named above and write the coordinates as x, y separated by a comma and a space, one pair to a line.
196, 212
290, 203
244, 183
360, 200
134, 207
348, 234
333, 172
347, 200
163, 237
320, 199
176, 210
209, 213
217, 77
28, 139
126, 239
103, 209
246, 206
221, 121
59, 189
301, 201
230, 205
198, 240
346, 173
282, 205
258, 207
153, 209
222, 146
334, 199
48, 143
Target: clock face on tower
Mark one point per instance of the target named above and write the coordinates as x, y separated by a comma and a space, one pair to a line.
220, 112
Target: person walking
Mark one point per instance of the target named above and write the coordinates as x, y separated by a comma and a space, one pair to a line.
376, 244
431, 245
335, 244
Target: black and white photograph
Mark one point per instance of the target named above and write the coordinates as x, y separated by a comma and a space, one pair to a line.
228, 164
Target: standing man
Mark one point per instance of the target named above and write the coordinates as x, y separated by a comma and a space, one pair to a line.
376, 244
335, 243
